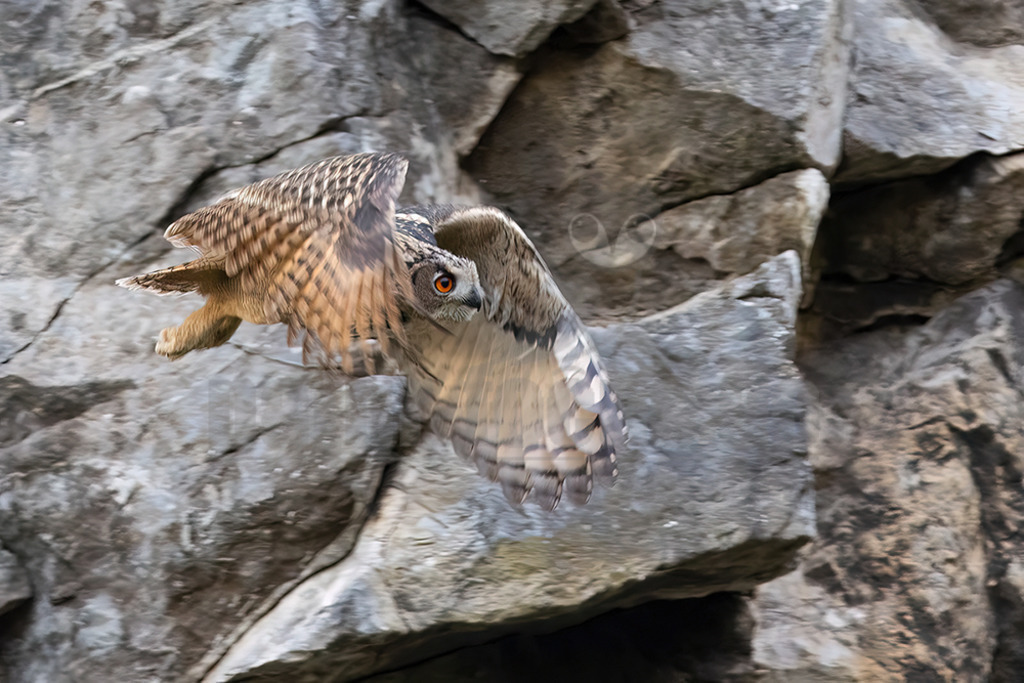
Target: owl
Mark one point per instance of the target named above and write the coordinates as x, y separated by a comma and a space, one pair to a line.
458, 297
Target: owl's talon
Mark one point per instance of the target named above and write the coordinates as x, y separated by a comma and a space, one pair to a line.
165, 343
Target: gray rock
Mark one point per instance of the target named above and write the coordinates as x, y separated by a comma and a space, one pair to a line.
985, 23
512, 29
465, 84
180, 521
713, 495
905, 249
102, 152
840, 306
918, 457
736, 233
917, 104
690, 248
694, 101
14, 585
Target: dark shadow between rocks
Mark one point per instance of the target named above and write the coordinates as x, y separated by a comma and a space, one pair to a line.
701, 639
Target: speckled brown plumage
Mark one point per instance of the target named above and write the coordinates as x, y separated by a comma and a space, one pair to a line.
518, 386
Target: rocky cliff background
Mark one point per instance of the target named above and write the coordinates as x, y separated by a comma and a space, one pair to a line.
797, 227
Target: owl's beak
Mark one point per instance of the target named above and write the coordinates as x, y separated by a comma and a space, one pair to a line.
474, 300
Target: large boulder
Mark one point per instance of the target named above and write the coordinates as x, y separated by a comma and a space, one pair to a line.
918, 103
985, 23
909, 247
690, 248
155, 506
512, 29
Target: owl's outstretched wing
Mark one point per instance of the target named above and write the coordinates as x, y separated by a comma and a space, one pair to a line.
315, 246
519, 389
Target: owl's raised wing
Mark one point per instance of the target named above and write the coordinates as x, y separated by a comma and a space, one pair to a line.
519, 389
316, 245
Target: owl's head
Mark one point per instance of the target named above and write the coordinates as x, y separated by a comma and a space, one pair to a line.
447, 286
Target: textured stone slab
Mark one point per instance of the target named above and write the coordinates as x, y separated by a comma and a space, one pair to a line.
918, 103
110, 121
692, 247
157, 505
14, 585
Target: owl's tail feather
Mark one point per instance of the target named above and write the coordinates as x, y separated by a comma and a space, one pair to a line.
188, 277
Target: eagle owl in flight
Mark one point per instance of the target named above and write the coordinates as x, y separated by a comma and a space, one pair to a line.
496, 359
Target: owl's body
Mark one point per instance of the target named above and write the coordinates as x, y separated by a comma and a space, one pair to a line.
497, 360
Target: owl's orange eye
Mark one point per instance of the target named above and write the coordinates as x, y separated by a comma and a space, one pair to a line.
444, 283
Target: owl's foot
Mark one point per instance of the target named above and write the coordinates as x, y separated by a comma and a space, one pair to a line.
201, 330
168, 345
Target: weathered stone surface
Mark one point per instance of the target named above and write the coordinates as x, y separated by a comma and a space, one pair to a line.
713, 495
736, 233
918, 457
108, 122
512, 29
156, 512
157, 505
840, 307
986, 23
918, 104
696, 100
465, 84
14, 586
690, 248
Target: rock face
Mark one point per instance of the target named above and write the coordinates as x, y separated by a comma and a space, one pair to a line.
120, 133
918, 458
692, 172
14, 585
992, 23
687, 249
153, 509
